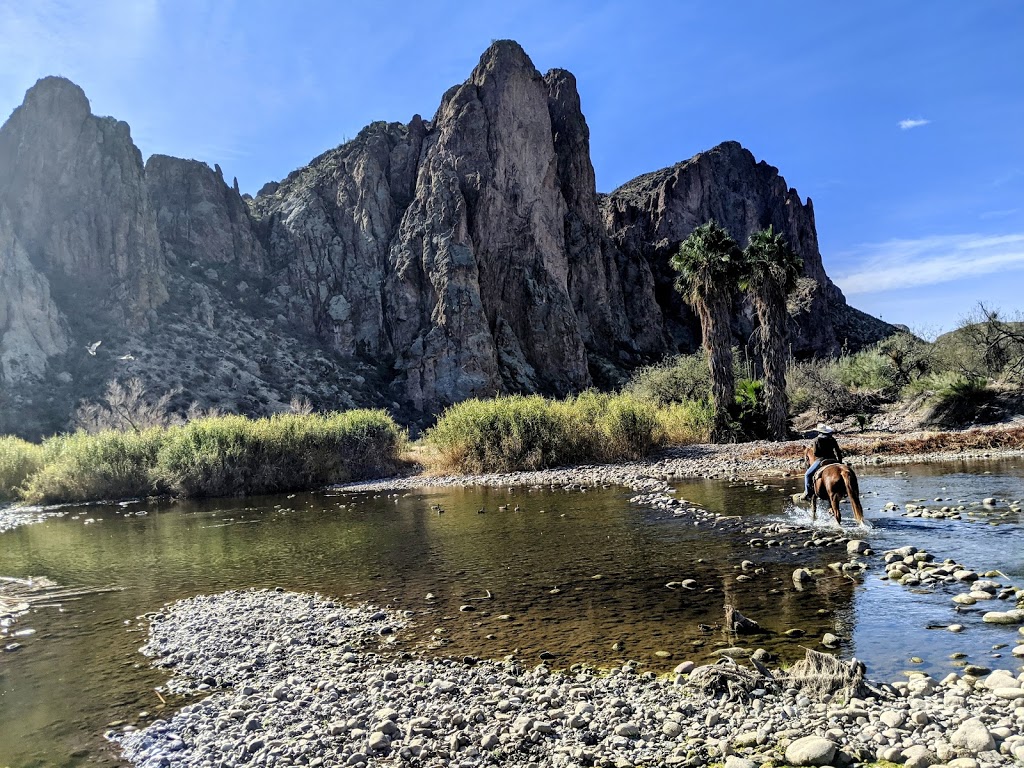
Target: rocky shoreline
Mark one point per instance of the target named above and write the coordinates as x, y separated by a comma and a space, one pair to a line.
296, 679
710, 461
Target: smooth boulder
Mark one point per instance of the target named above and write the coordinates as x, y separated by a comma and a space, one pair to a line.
811, 750
973, 736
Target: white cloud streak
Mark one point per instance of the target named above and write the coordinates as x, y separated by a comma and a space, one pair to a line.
906, 125
901, 264
102, 39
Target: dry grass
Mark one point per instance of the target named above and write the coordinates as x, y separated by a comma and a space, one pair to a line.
977, 439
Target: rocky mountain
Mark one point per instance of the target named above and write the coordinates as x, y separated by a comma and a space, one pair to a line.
412, 267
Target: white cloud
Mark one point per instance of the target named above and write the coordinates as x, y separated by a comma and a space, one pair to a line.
906, 125
1002, 214
899, 264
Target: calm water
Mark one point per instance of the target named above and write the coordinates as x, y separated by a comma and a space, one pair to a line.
576, 572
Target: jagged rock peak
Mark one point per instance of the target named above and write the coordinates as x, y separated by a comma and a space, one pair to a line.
501, 57
58, 96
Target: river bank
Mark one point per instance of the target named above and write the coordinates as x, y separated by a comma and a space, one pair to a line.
755, 460
293, 678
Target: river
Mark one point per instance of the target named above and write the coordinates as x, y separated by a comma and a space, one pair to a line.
577, 575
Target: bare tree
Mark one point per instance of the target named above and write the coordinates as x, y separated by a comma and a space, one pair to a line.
300, 406
995, 346
125, 407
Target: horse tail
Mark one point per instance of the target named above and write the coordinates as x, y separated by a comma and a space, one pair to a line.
854, 493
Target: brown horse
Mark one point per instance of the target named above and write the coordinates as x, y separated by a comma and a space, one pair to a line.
831, 483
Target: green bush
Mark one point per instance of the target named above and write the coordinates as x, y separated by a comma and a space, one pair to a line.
212, 456
18, 460
517, 432
687, 423
866, 370
501, 435
956, 400
680, 379
91, 467
235, 455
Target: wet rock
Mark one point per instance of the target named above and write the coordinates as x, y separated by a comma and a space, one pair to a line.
1015, 616
857, 547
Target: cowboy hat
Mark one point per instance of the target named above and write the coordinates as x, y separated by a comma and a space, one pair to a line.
824, 429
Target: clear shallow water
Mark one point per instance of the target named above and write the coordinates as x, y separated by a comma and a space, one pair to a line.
575, 572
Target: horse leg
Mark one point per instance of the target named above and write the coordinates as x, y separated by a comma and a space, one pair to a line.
833, 498
853, 491
814, 507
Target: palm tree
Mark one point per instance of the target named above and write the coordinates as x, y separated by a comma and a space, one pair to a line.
708, 263
770, 272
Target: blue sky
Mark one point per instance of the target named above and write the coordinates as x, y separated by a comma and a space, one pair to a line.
904, 121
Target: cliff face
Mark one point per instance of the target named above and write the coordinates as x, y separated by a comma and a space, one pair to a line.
199, 218
479, 283
74, 188
32, 329
412, 267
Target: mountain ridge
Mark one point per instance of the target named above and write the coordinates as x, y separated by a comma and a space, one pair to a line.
409, 268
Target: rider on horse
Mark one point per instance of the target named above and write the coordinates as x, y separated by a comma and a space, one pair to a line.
825, 450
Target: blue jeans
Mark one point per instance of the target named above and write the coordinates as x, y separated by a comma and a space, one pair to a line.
809, 474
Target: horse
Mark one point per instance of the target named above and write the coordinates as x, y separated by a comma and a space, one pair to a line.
831, 483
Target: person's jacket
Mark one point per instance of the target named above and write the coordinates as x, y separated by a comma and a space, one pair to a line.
825, 447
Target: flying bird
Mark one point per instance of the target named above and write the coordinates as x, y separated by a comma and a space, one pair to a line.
129, 356
91, 348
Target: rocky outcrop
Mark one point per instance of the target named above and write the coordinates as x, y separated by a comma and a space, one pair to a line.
478, 292
74, 188
328, 229
415, 266
200, 219
32, 329
649, 216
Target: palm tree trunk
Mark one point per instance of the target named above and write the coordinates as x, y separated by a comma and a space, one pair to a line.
714, 313
771, 312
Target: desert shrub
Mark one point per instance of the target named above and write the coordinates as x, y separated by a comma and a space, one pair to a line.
865, 370
687, 423
90, 467
677, 380
985, 345
235, 455
19, 460
127, 407
908, 357
955, 400
519, 432
819, 386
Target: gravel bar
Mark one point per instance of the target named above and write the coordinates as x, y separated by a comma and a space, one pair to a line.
298, 679
696, 461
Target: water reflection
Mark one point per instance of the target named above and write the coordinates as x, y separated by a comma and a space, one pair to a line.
578, 575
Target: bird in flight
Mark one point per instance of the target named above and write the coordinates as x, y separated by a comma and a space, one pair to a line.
91, 348
129, 356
